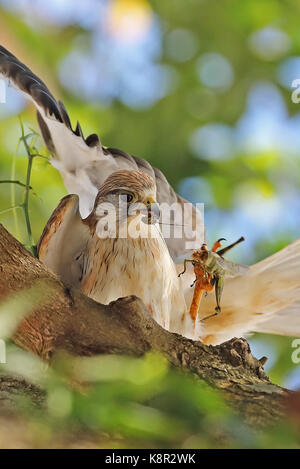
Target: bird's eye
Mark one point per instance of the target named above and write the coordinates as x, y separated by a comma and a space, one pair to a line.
129, 197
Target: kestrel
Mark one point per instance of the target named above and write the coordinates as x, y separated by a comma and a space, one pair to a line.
106, 268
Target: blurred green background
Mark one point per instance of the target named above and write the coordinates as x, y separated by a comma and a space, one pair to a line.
200, 88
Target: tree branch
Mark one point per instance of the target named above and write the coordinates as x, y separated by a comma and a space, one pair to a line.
68, 320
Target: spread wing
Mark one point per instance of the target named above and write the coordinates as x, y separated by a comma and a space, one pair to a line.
63, 241
83, 162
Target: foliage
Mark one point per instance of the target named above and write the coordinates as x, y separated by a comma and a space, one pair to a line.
133, 403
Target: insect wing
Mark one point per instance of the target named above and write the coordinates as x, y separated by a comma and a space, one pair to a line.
232, 269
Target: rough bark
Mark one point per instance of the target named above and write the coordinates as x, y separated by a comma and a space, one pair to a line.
65, 319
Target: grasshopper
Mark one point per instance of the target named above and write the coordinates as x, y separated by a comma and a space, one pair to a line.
211, 269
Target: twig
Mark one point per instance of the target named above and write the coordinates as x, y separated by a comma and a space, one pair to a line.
25, 204
13, 193
32, 152
12, 181
10, 208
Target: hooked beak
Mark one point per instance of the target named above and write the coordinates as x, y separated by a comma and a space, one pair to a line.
153, 211
149, 208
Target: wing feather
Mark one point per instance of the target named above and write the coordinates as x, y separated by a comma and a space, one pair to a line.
83, 162
63, 241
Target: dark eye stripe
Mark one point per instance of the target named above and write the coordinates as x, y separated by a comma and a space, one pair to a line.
115, 191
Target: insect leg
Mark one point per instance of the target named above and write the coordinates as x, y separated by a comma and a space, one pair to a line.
184, 265
221, 252
194, 282
213, 281
219, 289
194, 308
219, 284
217, 244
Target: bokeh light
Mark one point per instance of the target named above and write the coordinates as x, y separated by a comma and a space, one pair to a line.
288, 71
215, 71
129, 20
181, 45
213, 142
269, 43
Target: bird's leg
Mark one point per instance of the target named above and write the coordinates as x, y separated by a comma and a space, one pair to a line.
219, 285
184, 265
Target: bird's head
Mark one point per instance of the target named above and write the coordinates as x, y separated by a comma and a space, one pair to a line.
127, 196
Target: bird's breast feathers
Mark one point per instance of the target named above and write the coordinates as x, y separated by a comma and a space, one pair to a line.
120, 267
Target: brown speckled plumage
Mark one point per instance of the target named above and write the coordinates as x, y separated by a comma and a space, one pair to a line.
135, 181
116, 267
